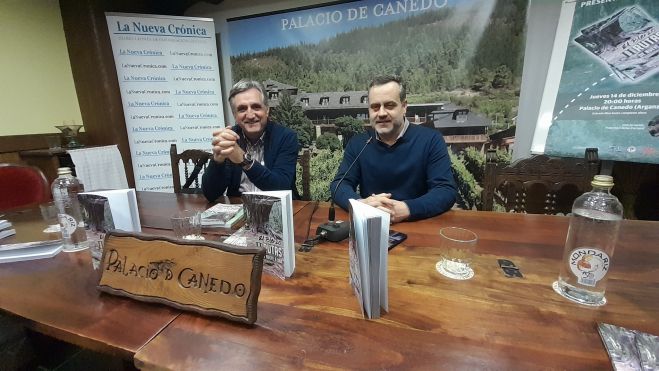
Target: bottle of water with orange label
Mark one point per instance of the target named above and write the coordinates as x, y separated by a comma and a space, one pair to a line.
591, 239
65, 195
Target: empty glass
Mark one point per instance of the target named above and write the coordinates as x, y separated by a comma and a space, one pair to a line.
187, 225
457, 249
49, 215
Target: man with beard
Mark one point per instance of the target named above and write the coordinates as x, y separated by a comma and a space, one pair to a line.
404, 169
254, 155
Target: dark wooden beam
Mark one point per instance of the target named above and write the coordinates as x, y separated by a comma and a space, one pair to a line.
95, 76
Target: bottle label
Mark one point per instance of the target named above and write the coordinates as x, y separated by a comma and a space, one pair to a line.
68, 224
589, 265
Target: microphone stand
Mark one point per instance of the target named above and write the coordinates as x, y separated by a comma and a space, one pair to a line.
333, 230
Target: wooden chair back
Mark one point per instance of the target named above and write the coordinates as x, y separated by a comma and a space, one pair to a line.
22, 186
304, 160
539, 184
192, 159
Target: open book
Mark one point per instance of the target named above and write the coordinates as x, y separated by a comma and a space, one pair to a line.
269, 224
222, 215
369, 238
123, 206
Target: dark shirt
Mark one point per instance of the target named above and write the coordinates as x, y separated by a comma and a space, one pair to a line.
416, 170
277, 172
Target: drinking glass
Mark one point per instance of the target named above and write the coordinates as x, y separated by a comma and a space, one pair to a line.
49, 215
187, 225
457, 249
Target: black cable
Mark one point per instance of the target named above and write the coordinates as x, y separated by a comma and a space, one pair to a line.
332, 211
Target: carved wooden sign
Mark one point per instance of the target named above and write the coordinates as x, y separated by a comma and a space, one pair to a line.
205, 277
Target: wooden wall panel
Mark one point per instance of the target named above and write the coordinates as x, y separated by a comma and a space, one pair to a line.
11, 158
17, 143
95, 77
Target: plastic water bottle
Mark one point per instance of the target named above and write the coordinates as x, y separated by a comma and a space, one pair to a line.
65, 195
591, 239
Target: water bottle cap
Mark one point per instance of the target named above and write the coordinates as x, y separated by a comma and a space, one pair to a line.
602, 181
63, 170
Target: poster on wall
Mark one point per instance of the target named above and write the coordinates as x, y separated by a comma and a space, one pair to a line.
168, 74
461, 61
448, 52
608, 96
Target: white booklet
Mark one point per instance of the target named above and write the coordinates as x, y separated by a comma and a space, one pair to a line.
123, 206
269, 224
6, 229
29, 250
368, 256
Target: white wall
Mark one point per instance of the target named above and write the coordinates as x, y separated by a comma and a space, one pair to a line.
542, 21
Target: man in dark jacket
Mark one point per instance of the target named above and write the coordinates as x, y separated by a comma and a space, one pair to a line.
404, 169
254, 155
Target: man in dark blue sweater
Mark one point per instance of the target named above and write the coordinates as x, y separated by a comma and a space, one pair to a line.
254, 155
404, 169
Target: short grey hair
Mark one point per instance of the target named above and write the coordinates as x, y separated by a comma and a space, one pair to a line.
244, 85
385, 79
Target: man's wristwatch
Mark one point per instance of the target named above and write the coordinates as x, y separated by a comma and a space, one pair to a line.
247, 162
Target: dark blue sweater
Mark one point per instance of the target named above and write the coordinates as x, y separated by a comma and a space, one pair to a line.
416, 170
277, 173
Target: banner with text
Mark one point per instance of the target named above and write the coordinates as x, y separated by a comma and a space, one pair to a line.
608, 96
168, 74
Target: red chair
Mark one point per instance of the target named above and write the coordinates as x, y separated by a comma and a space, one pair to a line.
22, 186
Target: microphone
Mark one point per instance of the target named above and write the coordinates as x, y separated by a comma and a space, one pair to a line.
336, 231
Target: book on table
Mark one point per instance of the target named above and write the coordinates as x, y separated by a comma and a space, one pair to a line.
269, 224
6, 229
368, 257
29, 250
25, 250
123, 207
222, 215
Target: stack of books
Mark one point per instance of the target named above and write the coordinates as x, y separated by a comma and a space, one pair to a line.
29, 250
6, 229
12, 252
222, 216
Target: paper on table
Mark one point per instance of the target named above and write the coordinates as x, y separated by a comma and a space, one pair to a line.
29, 250
630, 349
4, 224
7, 232
6, 229
648, 350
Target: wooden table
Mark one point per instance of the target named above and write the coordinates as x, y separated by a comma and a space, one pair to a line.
58, 296
156, 208
489, 322
313, 320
